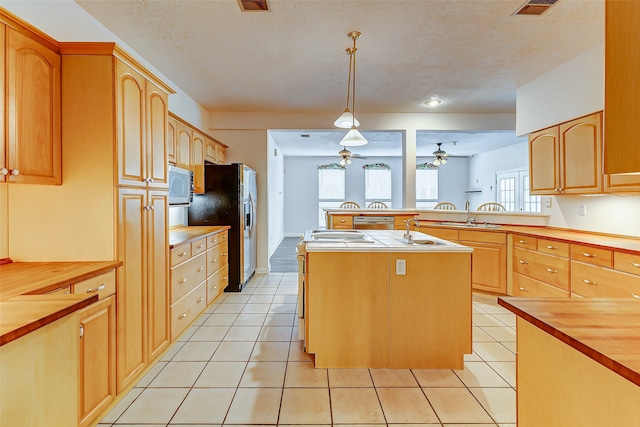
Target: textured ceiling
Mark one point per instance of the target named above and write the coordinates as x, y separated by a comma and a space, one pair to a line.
472, 54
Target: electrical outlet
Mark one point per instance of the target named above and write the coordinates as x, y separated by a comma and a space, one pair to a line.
401, 267
582, 210
547, 202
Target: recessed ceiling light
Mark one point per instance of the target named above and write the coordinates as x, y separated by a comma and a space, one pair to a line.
433, 102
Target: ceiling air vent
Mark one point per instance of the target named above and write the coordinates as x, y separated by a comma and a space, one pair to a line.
253, 5
535, 7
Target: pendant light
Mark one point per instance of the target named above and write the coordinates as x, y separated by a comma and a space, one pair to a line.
353, 138
347, 119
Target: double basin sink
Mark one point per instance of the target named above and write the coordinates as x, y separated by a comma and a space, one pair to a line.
467, 224
357, 236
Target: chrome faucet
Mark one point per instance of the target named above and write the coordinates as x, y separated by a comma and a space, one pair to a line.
467, 207
408, 237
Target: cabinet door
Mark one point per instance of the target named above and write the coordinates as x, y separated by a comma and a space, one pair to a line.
430, 310
544, 167
3, 143
183, 146
489, 267
157, 153
157, 273
197, 162
131, 285
172, 135
97, 359
621, 183
221, 154
33, 150
130, 126
210, 150
581, 144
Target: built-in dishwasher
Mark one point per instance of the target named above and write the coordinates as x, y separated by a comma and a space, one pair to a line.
302, 254
373, 222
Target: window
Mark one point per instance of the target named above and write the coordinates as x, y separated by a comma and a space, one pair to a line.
377, 183
513, 192
331, 189
426, 186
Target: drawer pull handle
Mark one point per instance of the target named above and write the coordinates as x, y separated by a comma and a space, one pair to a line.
523, 262
551, 270
343, 220
199, 270
182, 254
635, 264
182, 316
214, 260
524, 289
635, 295
552, 247
200, 299
181, 281
213, 288
588, 255
224, 254
199, 247
523, 241
99, 288
589, 282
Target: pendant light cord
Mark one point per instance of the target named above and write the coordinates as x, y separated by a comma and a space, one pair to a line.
353, 97
350, 53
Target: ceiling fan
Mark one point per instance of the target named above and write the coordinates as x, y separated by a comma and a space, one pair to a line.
346, 157
442, 156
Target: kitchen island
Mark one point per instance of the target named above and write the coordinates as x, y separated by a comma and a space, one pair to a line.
578, 361
378, 302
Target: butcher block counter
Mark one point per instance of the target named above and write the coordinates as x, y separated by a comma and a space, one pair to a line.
24, 306
578, 361
184, 234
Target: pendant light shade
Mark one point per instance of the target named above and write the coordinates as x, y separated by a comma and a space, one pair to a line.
353, 138
346, 120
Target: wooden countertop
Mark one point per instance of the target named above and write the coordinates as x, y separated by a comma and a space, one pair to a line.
606, 330
19, 278
23, 310
184, 234
26, 313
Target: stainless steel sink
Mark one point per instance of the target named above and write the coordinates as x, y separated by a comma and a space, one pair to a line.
421, 241
468, 225
346, 236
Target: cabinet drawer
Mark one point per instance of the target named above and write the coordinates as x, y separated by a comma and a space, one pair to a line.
104, 285
552, 247
65, 290
400, 221
198, 246
341, 221
524, 286
180, 254
526, 242
216, 283
483, 237
626, 262
591, 255
592, 281
187, 276
442, 233
187, 309
545, 268
217, 257
216, 238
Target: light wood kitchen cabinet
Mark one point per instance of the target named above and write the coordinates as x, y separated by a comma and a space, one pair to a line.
97, 359
621, 87
217, 264
567, 158
210, 150
183, 145
440, 232
143, 332
489, 260
172, 131
400, 222
622, 183
141, 121
342, 222
31, 153
197, 162
221, 154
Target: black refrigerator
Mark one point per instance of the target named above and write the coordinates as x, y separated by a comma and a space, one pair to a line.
230, 197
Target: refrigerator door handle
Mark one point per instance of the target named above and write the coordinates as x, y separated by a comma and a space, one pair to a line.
251, 213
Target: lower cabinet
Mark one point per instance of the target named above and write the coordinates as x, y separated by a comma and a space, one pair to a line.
489, 260
97, 359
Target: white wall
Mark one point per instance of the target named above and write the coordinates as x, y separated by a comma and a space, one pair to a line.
574, 89
301, 186
275, 195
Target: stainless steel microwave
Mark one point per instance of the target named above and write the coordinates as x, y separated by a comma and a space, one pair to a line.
180, 186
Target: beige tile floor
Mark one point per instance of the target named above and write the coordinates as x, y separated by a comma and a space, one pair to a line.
241, 364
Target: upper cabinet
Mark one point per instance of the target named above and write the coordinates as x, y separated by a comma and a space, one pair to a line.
622, 87
183, 145
210, 150
172, 131
567, 158
197, 162
141, 116
30, 150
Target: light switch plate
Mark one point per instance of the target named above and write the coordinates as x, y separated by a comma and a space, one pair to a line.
547, 202
401, 267
582, 210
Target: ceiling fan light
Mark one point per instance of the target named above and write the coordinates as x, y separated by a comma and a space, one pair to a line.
353, 138
346, 120
433, 102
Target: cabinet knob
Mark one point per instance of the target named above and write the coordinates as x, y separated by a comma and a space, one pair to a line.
200, 247
552, 247
589, 282
181, 281
199, 270
182, 316
99, 288
181, 254
524, 289
342, 220
15, 172
200, 300
523, 241
4, 171
523, 262
551, 271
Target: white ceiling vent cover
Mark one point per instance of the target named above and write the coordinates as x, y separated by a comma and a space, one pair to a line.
534, 7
